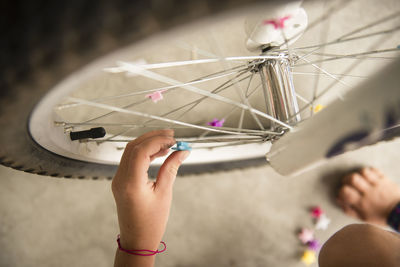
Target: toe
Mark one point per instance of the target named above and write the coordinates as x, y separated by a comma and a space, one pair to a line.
371, 175
350, 211
377, 172
348, 195
358, 182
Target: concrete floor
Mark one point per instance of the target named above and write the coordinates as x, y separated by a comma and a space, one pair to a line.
245, 217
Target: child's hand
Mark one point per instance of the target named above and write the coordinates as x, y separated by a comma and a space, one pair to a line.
143, 205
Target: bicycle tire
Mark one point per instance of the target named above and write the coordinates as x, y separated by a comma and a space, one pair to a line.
48, 40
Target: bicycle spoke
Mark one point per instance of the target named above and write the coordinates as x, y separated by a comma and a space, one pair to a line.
105, 124
326, 72
351, 67
206, 78
323, 38
207, 139
246, 101
145, 115
125, 107
240, 125
354, 56
248, 85
198, 141
328, 13
260, 132
332, 10
174, 64
226, 117
338, 41
286, 43
372, 24
263, 132
202, 52
229, 144
342, 38
243, 111
396, 49
303, 99
113, 112
121, 65
127, 125
115, 135
391, 127
167, 80
236, 85
194, 103
202, 144
323, 74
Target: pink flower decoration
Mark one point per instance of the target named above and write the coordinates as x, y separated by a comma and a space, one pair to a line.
306, 235
316, 212
216, 122
156, 96
278, 23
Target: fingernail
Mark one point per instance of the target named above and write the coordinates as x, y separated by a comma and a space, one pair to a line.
173, 142
184, 154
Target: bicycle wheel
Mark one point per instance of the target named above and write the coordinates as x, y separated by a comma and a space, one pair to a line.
216, 94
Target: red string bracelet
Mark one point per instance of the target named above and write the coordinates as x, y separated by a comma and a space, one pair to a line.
141, 252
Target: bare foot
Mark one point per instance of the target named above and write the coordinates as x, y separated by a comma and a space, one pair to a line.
368, 195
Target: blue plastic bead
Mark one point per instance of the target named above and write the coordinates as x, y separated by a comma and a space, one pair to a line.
182, 146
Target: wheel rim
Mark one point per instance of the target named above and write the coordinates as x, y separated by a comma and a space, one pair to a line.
53, 137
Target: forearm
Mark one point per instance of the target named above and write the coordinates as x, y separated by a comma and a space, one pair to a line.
143, 205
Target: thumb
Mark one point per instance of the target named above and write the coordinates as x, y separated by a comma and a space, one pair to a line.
168, 171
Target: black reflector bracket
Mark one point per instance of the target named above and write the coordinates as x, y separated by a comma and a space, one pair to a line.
92, 133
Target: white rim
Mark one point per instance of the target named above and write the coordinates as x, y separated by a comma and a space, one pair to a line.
44, 131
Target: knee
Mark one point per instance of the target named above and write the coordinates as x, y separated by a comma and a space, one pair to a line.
346, 238
353, 233
359, 245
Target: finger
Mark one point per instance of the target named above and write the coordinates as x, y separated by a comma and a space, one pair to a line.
371, 176
350, 211
162, 153
348, 195
131, 145
165, 132
168, 171
358, 182
140, 157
